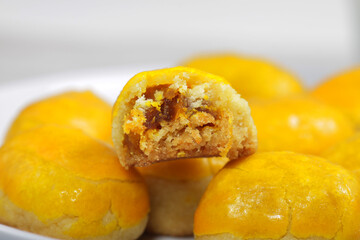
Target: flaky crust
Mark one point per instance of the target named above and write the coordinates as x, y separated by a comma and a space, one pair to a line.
274, 195
12, 215
243, 134
60, 182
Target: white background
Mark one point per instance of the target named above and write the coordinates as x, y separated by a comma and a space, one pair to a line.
314, 38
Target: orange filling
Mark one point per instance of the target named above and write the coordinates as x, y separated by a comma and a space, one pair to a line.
166, 109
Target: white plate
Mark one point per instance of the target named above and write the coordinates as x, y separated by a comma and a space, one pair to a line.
15, 96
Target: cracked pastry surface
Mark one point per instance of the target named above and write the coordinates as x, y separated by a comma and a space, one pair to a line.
58, 181
280, 195
80, 109
180, 113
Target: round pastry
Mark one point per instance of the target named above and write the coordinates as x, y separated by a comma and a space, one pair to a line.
175, 189
346, 154
252, 78
280, 195
299, 124
82, 110
343, 92
58, 181
180, 113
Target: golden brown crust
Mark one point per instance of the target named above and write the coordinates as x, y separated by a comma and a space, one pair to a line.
346, 154
342, 91
228, 236
83, 110
58, 181
251, 77
273, 195
202, 116
300, 124
13, 216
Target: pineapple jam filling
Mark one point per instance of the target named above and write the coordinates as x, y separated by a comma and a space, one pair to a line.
174, 121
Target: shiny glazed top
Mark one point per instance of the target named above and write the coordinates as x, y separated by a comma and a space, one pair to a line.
273, 194
59, 172
82, 110
299, 124
252, 78
346, 154
343, 92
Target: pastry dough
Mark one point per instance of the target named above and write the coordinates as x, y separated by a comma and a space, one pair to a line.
175, 189
180, 113
251, 77
82, 110
299, 124
58, 181
280, 195
342, 91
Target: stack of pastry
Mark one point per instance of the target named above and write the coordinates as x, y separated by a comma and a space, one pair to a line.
182, 118
277, 194
61, 177
182, 158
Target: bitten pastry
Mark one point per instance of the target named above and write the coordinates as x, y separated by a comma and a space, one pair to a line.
180, 113
343, 92
280, 195
58, 181
252, 78
346, 154
82, 110
299, 124
175, 189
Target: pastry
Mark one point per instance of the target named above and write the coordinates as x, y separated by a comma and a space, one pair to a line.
299, 124
342, 91
251, 77
175, 189
346, 154
82, 110
180, 113
58, 181
280, 195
